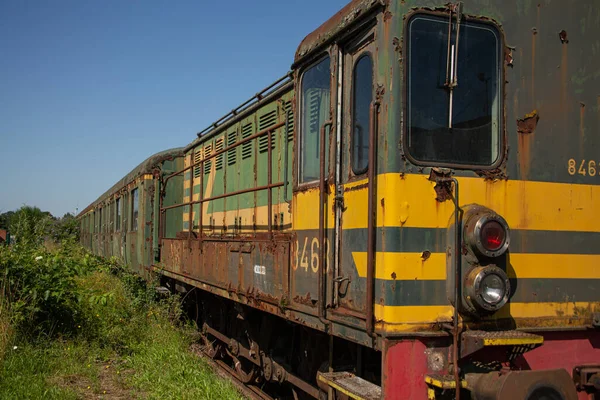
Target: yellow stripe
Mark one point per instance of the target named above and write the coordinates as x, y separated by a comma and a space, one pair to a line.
403, 266
411, 266
409, 201
404, 318
541, 310
446, 384
521, 341
412, 314
305, 210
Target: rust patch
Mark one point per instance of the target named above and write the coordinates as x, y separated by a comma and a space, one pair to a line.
563, 37
442, 191
357, 187
508, 56
397, 44
380, 92
425, 255
528, 123
393, 275
492, 174
305, 300
443, 184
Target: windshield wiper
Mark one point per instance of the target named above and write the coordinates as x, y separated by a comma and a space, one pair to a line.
452, 56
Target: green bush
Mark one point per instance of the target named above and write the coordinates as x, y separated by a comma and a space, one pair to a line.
40, 288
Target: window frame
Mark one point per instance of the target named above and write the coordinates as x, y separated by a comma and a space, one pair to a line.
502, 134
134, 220
300, 125
361, 55
118, 213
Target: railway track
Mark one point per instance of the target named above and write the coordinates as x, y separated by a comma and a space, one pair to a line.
222, 369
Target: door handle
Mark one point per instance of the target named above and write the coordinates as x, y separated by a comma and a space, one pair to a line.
341, 279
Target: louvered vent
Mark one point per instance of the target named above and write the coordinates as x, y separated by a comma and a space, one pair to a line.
231, 154
197, 158
219, 147
207, 152
290, 116
247, 147
264, 122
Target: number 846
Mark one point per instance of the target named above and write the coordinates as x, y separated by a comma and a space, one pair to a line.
584, 168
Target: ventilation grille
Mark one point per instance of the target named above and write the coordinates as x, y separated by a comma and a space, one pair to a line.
197, 158
219, 147
207, 152
264, 122
247, 147
231, 154
287, 107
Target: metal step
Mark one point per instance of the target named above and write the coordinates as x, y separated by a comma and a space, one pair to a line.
443, 381
162, 290
517, 342
351, 385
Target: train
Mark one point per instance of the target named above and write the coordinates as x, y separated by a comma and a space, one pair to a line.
411, 212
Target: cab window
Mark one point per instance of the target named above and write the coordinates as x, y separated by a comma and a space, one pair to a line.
453, 122
361, 115
315, 108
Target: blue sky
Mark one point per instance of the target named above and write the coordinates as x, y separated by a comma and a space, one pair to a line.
89, 88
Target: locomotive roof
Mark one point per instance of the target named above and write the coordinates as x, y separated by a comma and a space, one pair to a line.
145, 167
335, 25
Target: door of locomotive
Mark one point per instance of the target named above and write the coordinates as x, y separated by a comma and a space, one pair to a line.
357, 90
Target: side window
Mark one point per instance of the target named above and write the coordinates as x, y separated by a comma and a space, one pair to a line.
454, 91
119, 214
315, 109
134, 209
361, 115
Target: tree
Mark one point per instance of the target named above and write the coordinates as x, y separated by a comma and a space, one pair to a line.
5, 219
66, 228
30, 225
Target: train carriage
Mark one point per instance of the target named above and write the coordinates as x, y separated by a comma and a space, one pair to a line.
408, 213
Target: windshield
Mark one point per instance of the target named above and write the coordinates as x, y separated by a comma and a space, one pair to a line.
453, 122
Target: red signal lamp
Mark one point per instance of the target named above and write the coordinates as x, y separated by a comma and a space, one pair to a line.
487, 234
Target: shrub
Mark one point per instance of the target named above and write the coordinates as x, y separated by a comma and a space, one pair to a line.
40, 288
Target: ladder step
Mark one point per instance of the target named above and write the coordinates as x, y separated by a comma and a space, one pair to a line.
443, 381
519, 342
162, 290
351, 385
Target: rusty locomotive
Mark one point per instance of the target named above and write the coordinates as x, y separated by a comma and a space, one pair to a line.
409, 213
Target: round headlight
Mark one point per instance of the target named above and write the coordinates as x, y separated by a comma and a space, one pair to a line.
487, 234
492, 289
487, 288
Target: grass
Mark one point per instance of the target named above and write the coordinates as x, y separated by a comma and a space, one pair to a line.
125, 342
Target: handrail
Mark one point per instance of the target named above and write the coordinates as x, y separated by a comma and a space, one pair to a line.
230, 147
322, 205
222, 196
372, 219
269, 186
258, 97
